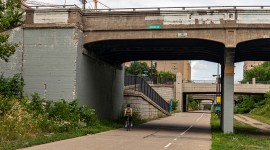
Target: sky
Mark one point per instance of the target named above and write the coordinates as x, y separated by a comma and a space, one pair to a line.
200, 70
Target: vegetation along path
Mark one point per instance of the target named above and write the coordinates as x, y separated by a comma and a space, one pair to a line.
263, 127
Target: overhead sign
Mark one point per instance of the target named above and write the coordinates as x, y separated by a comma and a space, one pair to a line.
154, 27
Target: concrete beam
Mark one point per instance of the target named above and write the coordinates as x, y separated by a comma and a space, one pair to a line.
179, 91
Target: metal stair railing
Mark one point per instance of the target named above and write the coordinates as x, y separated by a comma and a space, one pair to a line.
142, 86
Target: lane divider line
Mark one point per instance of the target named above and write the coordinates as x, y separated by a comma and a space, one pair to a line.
183, 132
199, 118
167, 145
186, 130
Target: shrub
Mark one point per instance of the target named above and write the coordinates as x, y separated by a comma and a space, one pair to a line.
12, 86
16, 122
174, 104
192, 104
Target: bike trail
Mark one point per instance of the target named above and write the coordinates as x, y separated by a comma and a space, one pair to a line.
185, 131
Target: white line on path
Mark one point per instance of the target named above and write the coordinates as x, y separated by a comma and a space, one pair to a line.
167, 145
186, 130
199, 118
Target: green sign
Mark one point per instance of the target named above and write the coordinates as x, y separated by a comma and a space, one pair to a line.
217, 108
154, 27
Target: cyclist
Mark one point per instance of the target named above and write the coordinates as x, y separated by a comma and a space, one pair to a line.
128, 112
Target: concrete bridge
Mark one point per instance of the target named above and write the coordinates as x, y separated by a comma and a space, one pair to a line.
210, 88
69, 53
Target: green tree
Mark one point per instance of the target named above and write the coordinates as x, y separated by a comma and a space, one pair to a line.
137, 68
166, 76
261, 73
192, 104
10, 17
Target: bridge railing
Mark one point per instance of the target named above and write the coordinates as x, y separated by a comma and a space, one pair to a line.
142, 86
53, 6
181, 8
200, 81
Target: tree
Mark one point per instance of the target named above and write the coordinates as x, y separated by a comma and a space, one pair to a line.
10, 17
137, 68
261, 73
192, 104
166, 77
247, 103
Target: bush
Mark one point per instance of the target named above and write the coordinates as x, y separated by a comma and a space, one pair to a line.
16, 122
192, 104
12, 86
174, 104
248, 102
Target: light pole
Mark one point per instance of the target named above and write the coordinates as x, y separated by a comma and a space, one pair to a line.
218, 97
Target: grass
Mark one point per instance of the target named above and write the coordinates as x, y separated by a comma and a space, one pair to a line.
261, 118
47, 138
42, 139
245, 137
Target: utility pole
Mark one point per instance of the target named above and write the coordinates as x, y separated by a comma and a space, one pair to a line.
83, 2
95, 4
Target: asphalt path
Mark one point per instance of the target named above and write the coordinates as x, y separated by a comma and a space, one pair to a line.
185, 131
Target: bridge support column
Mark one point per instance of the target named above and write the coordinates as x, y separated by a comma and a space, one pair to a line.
179, 91
228, 91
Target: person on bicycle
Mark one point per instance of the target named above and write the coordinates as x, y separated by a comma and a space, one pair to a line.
128, 112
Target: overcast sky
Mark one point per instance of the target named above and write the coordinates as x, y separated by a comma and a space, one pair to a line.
201, 70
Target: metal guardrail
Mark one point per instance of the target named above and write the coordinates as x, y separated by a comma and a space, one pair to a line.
201, 81
214, 82
261, 82
142, 86
182, 8
54, 6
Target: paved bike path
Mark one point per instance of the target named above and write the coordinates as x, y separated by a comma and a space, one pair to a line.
185, 131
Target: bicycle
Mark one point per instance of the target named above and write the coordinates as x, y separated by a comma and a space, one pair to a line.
128, 123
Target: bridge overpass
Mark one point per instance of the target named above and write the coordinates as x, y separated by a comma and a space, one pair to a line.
210, 88
69, 53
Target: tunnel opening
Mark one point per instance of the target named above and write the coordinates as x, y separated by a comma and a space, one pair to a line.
118, 51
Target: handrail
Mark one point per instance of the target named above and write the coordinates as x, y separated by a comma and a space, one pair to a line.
142, 86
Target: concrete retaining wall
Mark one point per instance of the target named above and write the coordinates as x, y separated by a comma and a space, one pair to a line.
53, 65
165, 91
14, 65
141, 104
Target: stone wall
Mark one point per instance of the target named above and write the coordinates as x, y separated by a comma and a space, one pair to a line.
141, 104
165, 91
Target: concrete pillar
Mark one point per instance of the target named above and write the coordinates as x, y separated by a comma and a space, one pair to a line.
118, 92
74, 15
29, 17
253, 81
179, 91
228, 91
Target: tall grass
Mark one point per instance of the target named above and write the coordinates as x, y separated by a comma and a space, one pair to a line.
245, 137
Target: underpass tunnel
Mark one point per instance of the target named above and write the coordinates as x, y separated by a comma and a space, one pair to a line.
117, 51
125, 50
253, 50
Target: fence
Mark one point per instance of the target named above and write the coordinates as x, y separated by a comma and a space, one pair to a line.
142, 86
